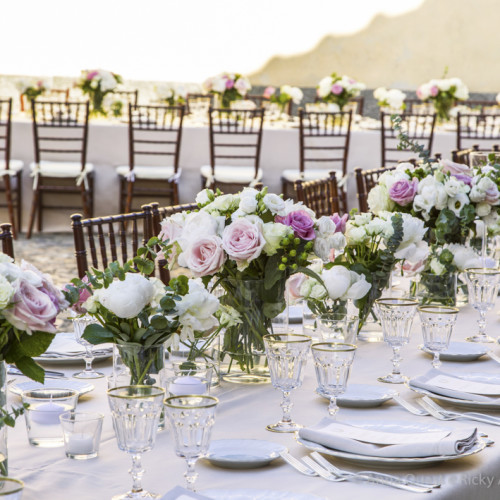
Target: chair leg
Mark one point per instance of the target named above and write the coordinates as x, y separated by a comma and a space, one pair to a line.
122, 195
10, 205
130, 194
175, 192
19, 200
39, 210
34, 205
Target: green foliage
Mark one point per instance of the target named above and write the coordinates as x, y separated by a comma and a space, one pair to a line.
406, 143
9, 418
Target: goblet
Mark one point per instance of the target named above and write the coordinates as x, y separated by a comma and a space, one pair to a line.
396, 316
191, 419
79, 325
482, 285
332, 363
287, 357
338, 327
136, 413
437, 325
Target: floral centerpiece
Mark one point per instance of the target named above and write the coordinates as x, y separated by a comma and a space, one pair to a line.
31, 90
97, 84
339, 89
392, 99
248, 244
286, 94
228, 87
443, 93
141, 315
173, 95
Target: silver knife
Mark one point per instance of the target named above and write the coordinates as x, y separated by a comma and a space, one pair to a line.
48, 373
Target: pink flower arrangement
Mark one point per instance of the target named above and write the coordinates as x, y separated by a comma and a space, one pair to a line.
301, 223
340, 222
403, 191
268, 92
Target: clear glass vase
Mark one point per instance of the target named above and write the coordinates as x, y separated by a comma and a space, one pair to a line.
4, 468
430, 288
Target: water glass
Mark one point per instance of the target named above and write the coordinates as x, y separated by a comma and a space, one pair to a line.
287, 357
338, 327
11, 489
437, 326
136, 414
309, 319
45, 405
332, 363
79, 325
199, 369
482, 285
191, 419
396, 316
82, 434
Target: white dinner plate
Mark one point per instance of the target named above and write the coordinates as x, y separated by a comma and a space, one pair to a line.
388, 462
77, 385
460, 351
243, 453
251, 494
364, 396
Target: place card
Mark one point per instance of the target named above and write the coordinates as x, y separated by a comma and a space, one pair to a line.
459, 384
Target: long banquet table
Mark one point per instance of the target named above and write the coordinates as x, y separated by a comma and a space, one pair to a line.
108, 148
243, 412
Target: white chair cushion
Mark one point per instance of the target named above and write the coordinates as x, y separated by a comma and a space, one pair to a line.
149, 172
61, 168
14, 167
233, 174
310, 174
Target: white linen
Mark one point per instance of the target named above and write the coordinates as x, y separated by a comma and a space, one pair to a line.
236, 174
65, 345
147, 172
362, 441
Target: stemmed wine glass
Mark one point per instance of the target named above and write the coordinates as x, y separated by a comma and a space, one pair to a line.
437, 325
396, 316
79, 325
482, 285
136, 411
287, 357
191, 419
332, 363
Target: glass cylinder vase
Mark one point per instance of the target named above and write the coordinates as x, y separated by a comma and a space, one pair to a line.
430, 288
242, 356
4, 469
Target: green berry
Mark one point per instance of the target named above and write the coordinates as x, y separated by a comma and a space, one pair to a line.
293, 253
294, 267
284, 260
285, 242
282, 267
296, 241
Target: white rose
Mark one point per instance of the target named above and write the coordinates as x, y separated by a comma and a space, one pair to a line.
359, 286
159, 291
296, 94
198, 302
6, 292
462, 93
318, 292
127, 298
337, 281
464, 257
355, 235
477, 194
225, 202
202, 197
453, 186
380, 94
5, 258
483, 209
273, 233
443, 85
198, 224
248, 204
274, 203
325, 86
436, 267
378, 199
218, 84
92, 303
325, 226
306, 287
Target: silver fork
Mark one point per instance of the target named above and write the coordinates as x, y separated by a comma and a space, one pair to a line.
329, 466
331, 476
478, 417
408, 406
297, 464
494, 357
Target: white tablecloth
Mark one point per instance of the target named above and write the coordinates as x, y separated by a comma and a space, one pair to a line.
108, 148
244, 412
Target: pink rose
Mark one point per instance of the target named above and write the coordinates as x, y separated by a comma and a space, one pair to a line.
450, 167
33, 309
293, 285
434, 91
337, 89
464, 178
83, 296
268, 92
91, 75
403, 191
412, 269
242, 240
301, 223
340, 222
229, 84
205, 256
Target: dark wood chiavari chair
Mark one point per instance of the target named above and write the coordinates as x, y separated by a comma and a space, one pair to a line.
107, 239
418, 127
154, 131
472, 128
6, 237
324, 139
60, 129
52, 94
192, 96
11, 171
320, 195
366, 180
235, 141
463, 156
158, 214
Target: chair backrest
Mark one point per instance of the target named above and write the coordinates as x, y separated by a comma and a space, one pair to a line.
320, 195
193, 96
366, 180
480, 106
127, 97
60, 129
324, 139
419, 107
477, 127
7, 239
155, 131
158, 214
419, 127
5, 129
112, 238
235, 137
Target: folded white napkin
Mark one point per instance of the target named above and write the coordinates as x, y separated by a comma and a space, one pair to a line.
453, 386
65, 345
375, 443
179, 493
